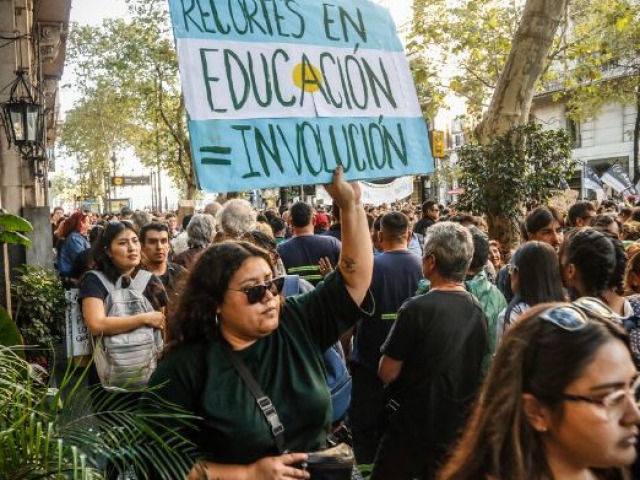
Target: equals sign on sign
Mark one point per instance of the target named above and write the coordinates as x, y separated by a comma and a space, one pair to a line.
217, 154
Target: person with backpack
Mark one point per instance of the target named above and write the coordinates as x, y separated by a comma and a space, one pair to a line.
249, 364
122, 308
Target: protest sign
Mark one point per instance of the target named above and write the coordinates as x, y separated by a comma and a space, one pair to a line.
77, 338
280, 93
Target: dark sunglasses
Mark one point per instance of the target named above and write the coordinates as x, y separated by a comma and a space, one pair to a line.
256, 293
117, 223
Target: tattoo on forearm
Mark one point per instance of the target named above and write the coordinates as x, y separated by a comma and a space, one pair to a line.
348, 264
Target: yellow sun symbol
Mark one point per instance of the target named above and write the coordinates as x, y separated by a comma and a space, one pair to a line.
312, 77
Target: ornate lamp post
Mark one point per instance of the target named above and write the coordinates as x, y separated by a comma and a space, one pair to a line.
23, 116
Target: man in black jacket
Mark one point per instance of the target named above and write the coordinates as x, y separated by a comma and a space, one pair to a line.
430, 215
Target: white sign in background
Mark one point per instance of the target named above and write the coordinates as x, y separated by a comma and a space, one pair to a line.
377, 194
76, 333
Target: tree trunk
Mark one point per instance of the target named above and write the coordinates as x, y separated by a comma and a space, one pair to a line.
532, 42
636, 137
503, 230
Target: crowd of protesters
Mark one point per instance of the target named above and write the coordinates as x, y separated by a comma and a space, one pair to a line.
469, 360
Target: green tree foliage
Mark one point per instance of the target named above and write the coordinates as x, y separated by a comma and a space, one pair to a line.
131, 66
604, 65
526, 163
12, 232
97, 126
65, 190
422, 50
13, 228
40, 307
470, 39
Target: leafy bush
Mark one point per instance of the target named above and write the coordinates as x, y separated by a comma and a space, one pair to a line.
39, 305
526, 163
53, 433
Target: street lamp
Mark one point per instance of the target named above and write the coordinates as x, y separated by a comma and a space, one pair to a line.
23, 116
114, 160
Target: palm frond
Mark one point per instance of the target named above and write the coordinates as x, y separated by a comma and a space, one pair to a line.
71, 431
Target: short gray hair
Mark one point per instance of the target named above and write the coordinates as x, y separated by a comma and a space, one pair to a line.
452, 246
237, 217
212, 208
201, 230
141, 218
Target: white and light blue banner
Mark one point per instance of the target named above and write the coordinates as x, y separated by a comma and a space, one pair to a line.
281, 92
377, 194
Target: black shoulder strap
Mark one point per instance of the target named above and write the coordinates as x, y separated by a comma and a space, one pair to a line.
264, 402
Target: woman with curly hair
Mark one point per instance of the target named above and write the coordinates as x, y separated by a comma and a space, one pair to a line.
231, 308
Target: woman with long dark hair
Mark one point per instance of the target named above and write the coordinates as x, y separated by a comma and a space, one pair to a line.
543, 224
560, 402
231, 307
593, 265
535, 278
116, 255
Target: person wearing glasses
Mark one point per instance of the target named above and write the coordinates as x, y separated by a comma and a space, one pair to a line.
430, 215
581, 214
432, 361
560, 402
232, 301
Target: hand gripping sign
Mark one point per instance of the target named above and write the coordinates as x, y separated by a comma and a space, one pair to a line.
280, 92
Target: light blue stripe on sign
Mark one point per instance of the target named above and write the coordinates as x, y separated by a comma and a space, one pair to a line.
338, 23
263, 153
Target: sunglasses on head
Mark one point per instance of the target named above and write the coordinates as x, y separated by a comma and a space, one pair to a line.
566, 317
572, 317
256, 293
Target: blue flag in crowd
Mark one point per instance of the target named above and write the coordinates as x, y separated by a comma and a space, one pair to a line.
591, 179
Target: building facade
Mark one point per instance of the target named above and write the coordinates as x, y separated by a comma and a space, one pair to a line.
33, 36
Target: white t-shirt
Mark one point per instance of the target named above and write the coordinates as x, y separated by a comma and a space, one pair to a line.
517, 310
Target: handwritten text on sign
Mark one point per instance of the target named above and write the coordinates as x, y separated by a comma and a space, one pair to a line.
281, 92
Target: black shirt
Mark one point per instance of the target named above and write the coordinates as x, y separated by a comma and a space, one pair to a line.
441, 337
421, 225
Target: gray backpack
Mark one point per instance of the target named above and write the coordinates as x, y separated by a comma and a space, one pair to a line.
127, 360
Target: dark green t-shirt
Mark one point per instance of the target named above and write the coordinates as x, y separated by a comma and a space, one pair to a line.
287, 364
